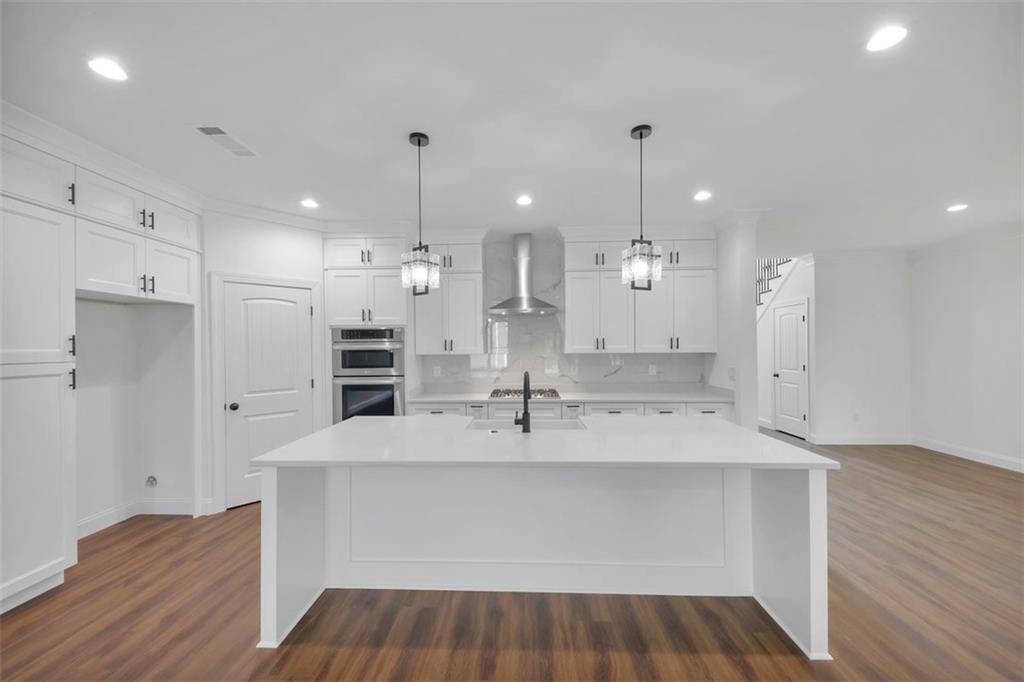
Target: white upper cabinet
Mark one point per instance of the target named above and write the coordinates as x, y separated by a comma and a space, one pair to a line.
358, 252
365, 297
689, 253
595, 255
450, 319
104, 199
172, 223
461, 257
616, 314
582, 312
173, 272
110, 261
36, 175
386, 301
655, 326
345, 294
696, 311
37, 289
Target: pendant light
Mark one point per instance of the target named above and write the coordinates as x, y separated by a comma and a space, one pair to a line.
421, 270
641, 262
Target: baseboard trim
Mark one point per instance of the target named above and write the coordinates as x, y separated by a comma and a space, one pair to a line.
122, 512
812, 655
31, 592
981, 456
766, 423
834, 439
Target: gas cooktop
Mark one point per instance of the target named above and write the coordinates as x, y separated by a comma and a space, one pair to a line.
536, 393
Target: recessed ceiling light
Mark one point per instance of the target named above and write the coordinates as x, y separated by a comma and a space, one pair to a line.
956, 208
702, 195
524, 200
309, 202
886, 37
108, 68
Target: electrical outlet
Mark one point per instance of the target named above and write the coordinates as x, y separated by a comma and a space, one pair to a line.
652, 370
437, 371
732, 374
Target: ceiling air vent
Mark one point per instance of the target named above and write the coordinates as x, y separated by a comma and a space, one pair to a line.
221, 137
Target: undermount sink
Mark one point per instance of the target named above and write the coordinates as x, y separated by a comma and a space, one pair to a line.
499, 425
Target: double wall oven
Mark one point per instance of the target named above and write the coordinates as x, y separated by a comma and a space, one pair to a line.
369, 372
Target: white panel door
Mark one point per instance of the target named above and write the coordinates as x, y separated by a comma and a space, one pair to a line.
173, 272
582, 312
344, 253
582, 255
108, 260
37, 457
345, 296
36, 175
789, 322
463, 258
429, 328
110, 201
696, 303
655, 331
464, 313
174, 224
385, 252
387, 302
37, 283
268, 378
616, 314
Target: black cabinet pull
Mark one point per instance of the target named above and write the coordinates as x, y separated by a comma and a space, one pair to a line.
233, 407
152, 284
614, 411
362, 314
437, 412
143, 214
74, 379
707, 412
74, 350
602, 343
152, 220
665, 412
369, 314
597, 258
597, 343
71, 199
143, 278
602, 259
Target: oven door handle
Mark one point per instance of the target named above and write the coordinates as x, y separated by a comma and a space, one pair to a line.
389, 345
370, 381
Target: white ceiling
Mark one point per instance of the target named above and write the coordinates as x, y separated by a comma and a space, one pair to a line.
773, 106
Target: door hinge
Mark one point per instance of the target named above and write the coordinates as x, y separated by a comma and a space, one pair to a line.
312, 384
805, 368
311, 311
803, 318
805, 417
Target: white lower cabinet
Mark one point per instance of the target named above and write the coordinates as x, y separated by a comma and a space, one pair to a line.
476, 410
573, 410
38, 537
636, 409
437, 408
710, 410
538, 410
37, 284
664, 409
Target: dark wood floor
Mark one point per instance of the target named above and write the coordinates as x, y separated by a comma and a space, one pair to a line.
926, 575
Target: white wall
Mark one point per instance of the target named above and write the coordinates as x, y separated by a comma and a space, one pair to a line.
797, 284
965, 337
249, 246
860, 385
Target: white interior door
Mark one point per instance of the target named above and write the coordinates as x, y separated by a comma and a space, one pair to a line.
268, 378
789, 322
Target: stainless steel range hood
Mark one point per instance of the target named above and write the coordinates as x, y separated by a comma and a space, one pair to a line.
523, 302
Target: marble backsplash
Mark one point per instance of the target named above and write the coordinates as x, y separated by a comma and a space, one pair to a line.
535, 343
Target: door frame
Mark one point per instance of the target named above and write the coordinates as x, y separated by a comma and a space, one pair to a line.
770, 313
218, 369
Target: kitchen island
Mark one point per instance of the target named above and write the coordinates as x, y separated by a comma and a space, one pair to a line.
627, 505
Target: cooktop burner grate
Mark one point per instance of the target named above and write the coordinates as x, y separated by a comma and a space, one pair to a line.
536, 393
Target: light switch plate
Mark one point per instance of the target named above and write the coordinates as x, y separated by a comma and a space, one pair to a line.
437, 371
652, 370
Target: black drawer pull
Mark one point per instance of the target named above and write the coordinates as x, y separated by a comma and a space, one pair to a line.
437, 412
614, 411
709, 412
665, 412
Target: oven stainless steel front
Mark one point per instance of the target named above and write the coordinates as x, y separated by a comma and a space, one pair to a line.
369, 368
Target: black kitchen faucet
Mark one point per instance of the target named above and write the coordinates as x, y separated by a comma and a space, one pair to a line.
525, 420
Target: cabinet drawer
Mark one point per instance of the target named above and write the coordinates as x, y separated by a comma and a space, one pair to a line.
476, 410
664, 409
537, 410
709, 410
438, 408
636, 409
573, 410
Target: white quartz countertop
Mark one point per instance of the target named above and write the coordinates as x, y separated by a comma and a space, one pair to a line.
446, 440
582, 396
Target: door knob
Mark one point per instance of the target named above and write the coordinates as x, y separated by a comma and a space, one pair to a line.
233, 406
776, 375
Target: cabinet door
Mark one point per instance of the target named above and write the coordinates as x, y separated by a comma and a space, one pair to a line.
616, 314
108, 260
695, 305
173, 272
582, 312
344, 253
385, 252
386, 299
37, 456
462, 258
582, 255
691, 253
655, 332
37, 283
36, 175
104, 199
429, 329
438, 408
476, 410
611, 254
572, 410
464, 313
538, 410
174, 224
345, 297
633, 409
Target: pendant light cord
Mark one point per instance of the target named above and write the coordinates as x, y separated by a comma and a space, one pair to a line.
419, 190
641, 187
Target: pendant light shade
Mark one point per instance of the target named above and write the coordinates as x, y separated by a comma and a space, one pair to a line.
421, 270
641, 262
